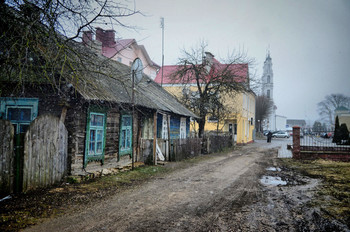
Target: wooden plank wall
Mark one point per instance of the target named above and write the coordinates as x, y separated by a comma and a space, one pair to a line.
45, 152
6, 157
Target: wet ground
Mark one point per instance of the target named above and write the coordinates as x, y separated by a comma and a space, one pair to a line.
244, 190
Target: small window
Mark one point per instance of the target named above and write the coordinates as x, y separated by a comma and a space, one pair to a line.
95, 137
212, 119
125, 140
268, 79
96, 134
268, 93
20, 111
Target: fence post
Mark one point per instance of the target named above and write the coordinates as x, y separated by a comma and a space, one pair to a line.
208, 145
296, 142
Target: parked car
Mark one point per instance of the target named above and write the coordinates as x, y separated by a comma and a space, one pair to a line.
327, 135
281, 134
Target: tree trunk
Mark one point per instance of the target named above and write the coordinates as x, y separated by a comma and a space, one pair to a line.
201, 124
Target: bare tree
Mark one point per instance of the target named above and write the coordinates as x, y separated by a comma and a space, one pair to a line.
37, 40
329, 104
263, 108
211, 79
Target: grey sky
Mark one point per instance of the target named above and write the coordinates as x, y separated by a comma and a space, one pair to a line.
309, 41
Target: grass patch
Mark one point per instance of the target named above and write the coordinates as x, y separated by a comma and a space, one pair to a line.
334, 194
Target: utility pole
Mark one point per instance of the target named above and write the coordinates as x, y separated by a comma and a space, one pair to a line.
162, 26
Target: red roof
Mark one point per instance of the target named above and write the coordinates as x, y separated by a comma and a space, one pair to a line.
239, 72
111, 51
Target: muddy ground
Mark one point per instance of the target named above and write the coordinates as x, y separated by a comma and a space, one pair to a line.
230, 192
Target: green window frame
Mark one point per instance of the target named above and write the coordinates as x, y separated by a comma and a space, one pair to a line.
95, 137
125, 138
20, 111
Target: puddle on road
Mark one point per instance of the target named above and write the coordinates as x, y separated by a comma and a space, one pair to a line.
274, 169
272, 181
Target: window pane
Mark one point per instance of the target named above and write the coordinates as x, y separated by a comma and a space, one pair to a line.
19, 114
128, 138
92, 148
122, 138
99, 135
126, 121
92, 119
98, 120
99, 147
92, 135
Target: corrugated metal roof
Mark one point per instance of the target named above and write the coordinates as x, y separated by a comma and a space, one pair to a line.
109, 80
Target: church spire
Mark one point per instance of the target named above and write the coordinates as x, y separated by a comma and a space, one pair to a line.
267, 78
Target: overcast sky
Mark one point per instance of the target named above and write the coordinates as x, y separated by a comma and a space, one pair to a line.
309, 41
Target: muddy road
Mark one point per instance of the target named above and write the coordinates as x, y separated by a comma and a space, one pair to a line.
229, 192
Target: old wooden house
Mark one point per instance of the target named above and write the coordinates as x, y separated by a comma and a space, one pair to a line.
103, 129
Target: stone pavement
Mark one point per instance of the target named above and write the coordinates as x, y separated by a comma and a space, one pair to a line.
280, 143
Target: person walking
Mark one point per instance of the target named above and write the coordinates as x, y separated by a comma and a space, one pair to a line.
269, 137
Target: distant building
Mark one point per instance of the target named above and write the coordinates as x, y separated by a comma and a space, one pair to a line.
343, 114
296, 122
267, 90
124, 51
240, 122
281, 122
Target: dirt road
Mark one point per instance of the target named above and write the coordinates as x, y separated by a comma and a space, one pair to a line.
220, 194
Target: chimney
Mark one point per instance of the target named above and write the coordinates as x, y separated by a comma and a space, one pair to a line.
208, 61
106, 37
87, 37
209, 58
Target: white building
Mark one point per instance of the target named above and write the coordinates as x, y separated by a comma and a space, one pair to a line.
273, 122
267, 90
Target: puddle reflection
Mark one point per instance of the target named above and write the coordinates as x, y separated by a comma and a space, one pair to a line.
272, 181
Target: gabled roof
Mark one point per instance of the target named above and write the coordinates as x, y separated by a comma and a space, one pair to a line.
114, 85
240, 71
120, 45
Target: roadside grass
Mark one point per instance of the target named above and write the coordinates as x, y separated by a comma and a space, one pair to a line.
333, 196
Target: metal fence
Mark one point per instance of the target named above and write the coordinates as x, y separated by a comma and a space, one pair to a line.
323, 141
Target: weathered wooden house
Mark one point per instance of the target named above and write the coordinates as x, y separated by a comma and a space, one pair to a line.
96, 108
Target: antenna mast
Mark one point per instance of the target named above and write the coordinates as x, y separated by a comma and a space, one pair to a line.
162, 26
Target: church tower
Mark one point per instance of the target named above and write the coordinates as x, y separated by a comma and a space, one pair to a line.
267, 78
267, 90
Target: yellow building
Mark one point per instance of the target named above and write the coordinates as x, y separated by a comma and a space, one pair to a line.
239, 118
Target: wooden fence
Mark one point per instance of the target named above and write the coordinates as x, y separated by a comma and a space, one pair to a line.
6, 157
45, 152
185, 148
216, 143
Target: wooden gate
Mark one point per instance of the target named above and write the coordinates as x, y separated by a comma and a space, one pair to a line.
6, 157
45, 152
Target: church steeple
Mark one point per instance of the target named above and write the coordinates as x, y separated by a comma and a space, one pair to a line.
267, 90
267, 78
